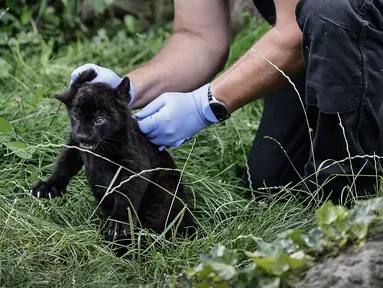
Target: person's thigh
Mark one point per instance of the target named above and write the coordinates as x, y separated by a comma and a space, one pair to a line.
281, 145
342, 46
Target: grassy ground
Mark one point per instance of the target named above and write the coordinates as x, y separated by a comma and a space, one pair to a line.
58, 243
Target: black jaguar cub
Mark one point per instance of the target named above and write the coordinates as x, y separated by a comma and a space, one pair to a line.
102, 123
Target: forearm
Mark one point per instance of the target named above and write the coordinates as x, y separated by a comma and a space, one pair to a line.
251, 77
184, 64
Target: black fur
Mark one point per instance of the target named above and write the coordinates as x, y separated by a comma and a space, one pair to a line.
102, 122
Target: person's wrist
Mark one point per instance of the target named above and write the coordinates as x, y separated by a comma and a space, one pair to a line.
213, 109
220, 94
202, 102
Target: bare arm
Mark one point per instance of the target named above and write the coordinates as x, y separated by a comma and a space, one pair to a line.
193, 55
251, 77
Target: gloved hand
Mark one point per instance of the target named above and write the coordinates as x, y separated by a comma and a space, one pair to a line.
104, 75
172, 118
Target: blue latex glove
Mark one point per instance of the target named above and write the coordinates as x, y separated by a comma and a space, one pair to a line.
104, 75
172, 118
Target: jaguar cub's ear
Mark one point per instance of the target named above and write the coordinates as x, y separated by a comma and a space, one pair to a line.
63, 97
123, 90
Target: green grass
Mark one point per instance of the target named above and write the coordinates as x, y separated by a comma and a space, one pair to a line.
58, 243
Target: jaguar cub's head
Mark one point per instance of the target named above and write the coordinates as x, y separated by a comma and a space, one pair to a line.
96, 110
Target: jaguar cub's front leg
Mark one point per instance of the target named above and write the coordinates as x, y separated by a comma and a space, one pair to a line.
118, 219
118, 205
118, 228
67, 165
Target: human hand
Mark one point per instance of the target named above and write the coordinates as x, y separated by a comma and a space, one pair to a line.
172, 118
104, 75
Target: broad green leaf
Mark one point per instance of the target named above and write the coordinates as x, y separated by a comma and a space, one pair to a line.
296, 260
21, 149
290, 241
343, 242
201, 271
72, 7
224, 271
308, 260
247, 274
99, 5
364, 211
315, 239
375, 204
255, 254
327, 214
342, 227
268, 249
363, 218
296, 236
270, 283
329, 231
217, 251
337, 230
359, 230
221, 285
272, 265
25, 16
131, 24
155, 44
341, 212
221, 254
4, 68
5, 126
287, 245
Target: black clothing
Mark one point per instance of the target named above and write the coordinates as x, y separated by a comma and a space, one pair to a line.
343, 53
267, 9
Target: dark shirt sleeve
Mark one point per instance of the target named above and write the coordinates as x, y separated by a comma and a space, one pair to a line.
267, 9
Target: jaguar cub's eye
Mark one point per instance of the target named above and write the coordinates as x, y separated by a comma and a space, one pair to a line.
75, 117
99, 121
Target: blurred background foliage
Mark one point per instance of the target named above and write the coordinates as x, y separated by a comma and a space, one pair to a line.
65, 20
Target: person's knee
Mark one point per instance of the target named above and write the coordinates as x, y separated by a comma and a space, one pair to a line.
264, 178
310, 12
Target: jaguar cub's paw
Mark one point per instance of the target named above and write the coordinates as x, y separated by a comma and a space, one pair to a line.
44, 189
118, 234
116, 231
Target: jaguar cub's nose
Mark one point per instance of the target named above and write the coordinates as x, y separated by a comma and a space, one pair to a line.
82, 137
85, 141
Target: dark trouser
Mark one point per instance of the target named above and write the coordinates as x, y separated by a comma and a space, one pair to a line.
342, 93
